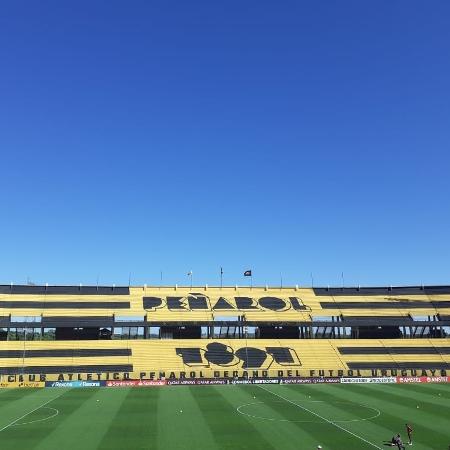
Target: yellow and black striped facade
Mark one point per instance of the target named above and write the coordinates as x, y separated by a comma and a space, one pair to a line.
295, 332
202, 304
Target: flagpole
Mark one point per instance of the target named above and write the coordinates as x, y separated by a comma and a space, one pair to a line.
221, 277
249, 273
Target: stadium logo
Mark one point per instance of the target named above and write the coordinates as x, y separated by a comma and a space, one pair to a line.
198, 301
218, 354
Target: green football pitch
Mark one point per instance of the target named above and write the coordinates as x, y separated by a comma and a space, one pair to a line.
287, 417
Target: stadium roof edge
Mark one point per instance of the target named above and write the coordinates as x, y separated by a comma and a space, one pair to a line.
113, 287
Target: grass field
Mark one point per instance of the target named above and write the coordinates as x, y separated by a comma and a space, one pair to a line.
339, 417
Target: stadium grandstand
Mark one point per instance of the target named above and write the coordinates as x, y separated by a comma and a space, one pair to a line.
116, 333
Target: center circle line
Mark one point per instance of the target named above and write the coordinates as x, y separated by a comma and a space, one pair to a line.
274, 419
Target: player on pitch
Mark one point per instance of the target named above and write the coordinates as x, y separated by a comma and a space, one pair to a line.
409, 430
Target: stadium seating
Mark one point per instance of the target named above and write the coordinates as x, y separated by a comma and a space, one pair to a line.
225, 357
289, 331
199, 304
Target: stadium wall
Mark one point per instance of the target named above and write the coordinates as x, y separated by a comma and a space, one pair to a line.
194, 358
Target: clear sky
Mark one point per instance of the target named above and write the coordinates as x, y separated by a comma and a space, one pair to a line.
284, 137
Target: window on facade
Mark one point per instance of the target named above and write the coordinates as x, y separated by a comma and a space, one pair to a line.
117, 334
325, 318
128, 333
24, 334
154, 332
129, 318
27, 319
49, 334
3, 334
422, 318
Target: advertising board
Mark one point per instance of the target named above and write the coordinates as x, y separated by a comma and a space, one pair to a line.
73, 384
423, 379
21, 384
369, 380
135, 383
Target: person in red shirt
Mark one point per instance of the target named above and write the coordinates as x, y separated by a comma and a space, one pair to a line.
409, 430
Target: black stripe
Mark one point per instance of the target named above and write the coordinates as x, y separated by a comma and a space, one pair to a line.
402, 290
62, 305
66, 369
77, 321
394, 350
393, 304
65, 353
399, 365
381, 318
64, 290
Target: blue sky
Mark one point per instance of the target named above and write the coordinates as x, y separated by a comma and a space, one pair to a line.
290, 137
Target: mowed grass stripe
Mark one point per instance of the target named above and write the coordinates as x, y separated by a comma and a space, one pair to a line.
208, 437
134, 425
66, 402
299, 428
274, 432
430, 431
382, 428
371, 430
149, 418
263, 406
16, 402
169, 419
230, 429
279, 431
286, 433
420, 394
430, 391
437, 414
332, 434
181, 424
173, 426
394, 415
191, 424
88, 424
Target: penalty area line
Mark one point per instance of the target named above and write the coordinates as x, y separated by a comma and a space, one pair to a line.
321, 417
32, 411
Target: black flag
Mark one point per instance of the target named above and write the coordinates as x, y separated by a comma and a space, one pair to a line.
248, 273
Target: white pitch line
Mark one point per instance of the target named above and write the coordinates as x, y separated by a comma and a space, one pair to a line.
18, 424
32, 411
321, 417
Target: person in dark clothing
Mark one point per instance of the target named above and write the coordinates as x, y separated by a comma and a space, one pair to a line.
409, 430
400, 445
